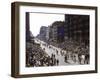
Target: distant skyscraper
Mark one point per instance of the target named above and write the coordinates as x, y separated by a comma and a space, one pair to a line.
43, 33
48, 33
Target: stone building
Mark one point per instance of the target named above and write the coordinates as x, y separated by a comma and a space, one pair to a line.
57, 31
43, 33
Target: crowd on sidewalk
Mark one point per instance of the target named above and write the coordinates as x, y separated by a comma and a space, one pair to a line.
36, 57
75, 51
72, 51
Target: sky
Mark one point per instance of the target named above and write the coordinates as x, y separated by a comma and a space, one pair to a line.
41, 19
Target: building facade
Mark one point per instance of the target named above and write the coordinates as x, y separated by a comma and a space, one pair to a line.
43, 33
27, 27
77, 27
57, 31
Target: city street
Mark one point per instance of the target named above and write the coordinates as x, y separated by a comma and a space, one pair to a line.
49, 49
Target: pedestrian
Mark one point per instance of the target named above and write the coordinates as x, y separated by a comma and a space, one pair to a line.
87, 59
83, 59
57, 62
57, 51
79, 58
